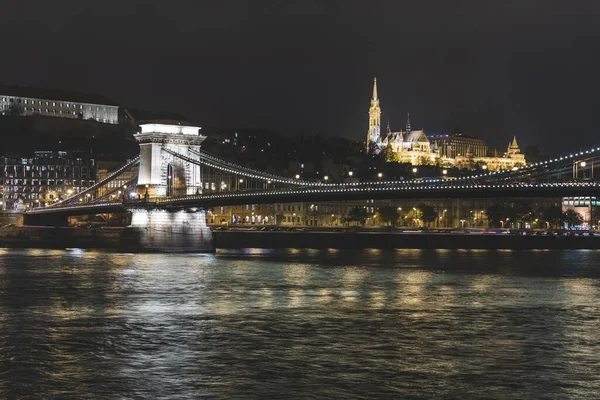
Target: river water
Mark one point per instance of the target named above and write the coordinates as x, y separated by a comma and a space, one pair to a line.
300, 324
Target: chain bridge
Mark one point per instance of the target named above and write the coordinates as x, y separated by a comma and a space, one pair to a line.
173, 181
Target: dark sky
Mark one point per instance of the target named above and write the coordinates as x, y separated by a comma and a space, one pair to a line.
491, 69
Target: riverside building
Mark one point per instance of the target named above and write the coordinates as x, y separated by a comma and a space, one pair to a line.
47, 177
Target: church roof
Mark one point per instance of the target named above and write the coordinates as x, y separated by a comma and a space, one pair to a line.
417, 136
392, 136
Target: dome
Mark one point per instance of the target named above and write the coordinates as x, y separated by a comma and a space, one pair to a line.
417, 137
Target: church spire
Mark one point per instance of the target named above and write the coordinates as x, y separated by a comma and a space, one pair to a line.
375, 88
374, 134
407, 122
389, 130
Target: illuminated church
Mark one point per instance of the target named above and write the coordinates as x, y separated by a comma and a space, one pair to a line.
408, 146
413, 146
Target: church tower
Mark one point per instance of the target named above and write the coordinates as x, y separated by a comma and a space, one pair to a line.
374, 118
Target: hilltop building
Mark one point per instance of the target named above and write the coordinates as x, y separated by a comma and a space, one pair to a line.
414, 147
409, 146
26, 101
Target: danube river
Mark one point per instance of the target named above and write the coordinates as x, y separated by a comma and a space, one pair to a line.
300, 324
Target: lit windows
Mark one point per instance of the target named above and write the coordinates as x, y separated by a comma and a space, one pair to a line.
68, 105
53, 104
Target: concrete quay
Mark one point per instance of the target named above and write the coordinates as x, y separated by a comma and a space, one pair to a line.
388, 240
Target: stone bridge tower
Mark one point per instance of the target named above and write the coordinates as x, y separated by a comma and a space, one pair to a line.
161, 173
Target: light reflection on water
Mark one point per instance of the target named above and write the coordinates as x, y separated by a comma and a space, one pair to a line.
300, 323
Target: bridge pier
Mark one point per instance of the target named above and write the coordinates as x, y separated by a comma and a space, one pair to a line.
168, 231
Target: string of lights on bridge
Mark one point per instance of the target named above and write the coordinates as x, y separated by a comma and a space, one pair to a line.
329, 190
324, 187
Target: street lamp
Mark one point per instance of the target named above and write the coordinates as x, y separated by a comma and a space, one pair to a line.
350, 173
297, 176
444, 172
414, 170
484, 166
326, 177
379, 175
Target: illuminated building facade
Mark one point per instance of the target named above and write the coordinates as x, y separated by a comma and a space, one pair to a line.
42, 179
408, 146
414, 147
25, 101
452, 146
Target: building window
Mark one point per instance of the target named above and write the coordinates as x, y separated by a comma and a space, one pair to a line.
68, 105
80, 106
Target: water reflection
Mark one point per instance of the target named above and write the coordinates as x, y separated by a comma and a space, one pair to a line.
327, 323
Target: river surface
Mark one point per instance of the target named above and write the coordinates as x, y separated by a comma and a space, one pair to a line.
256, 324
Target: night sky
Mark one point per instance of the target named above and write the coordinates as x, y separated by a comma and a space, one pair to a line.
487, 69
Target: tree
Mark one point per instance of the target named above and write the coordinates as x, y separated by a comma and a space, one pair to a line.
390, 155
372, 148
428, 213
572, 218
524, 213
495, 214
357, 214
388, 215
554, 216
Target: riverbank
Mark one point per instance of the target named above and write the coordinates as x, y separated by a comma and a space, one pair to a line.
386, 240
119, 239
140, 240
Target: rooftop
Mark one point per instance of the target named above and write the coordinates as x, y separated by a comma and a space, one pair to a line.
51, 94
